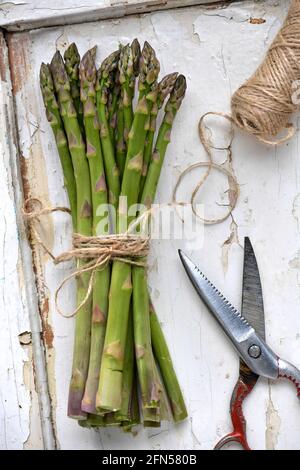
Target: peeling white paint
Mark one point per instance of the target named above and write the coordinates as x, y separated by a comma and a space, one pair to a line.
273, 423
18, 16
217, 50
15, 394
18, 296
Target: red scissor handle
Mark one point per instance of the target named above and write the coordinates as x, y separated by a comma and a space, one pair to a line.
240, 392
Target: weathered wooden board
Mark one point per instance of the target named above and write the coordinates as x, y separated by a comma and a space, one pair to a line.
20, 418
18, 15
217, 49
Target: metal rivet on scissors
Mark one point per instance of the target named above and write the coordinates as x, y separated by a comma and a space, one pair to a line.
247, 333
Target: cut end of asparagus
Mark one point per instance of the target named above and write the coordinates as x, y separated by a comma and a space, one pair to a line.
74, 405
88, 407
109, 398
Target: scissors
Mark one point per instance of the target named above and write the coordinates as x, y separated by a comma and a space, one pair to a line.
246, 330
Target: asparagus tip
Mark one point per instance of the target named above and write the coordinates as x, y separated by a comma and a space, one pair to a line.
136, 54
149, 65
71, 53
87, 67
179, 89
93, 52
45, 73
166, 86
110, 63
58, 70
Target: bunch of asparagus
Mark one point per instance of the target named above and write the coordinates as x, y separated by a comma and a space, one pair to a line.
122, 371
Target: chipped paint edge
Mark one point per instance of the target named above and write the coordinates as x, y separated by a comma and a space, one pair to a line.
116, 9
29, 293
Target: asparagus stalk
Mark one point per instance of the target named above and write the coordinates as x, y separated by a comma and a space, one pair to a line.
149, 386
88, 75
152, 417
110, 385
103, 84
122, 132
72, 61
150, 389
136, 57
163, 140
140, 309
120, 142
164, 89
134, 410
113, 105
53, 116
84, 226
129, 69
127, 385
164, 360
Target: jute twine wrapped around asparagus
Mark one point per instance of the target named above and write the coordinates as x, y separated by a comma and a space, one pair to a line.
108, 153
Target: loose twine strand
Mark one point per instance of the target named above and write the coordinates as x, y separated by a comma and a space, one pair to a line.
263, 104
208, 146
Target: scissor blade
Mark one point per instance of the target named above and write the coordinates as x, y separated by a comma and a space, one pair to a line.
252, 299
233, 323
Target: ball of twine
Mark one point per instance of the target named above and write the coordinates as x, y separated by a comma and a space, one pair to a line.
262, 106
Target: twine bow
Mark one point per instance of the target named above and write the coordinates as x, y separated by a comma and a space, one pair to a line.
94, 252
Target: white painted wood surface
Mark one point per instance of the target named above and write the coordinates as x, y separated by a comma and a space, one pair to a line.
19, 412
18, 15
217, 49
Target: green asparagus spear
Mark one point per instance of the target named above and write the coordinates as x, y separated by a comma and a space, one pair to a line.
127, 386
164, 89
110, 385
120, 142
113, 106
129, 69
128, 426
163, 140
149, 386
84, 226
104, 79
53, 116
72, 60
150, 390
164, 360
88, 75
140, 309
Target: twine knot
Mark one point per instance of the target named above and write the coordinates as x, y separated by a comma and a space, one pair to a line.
93, 253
